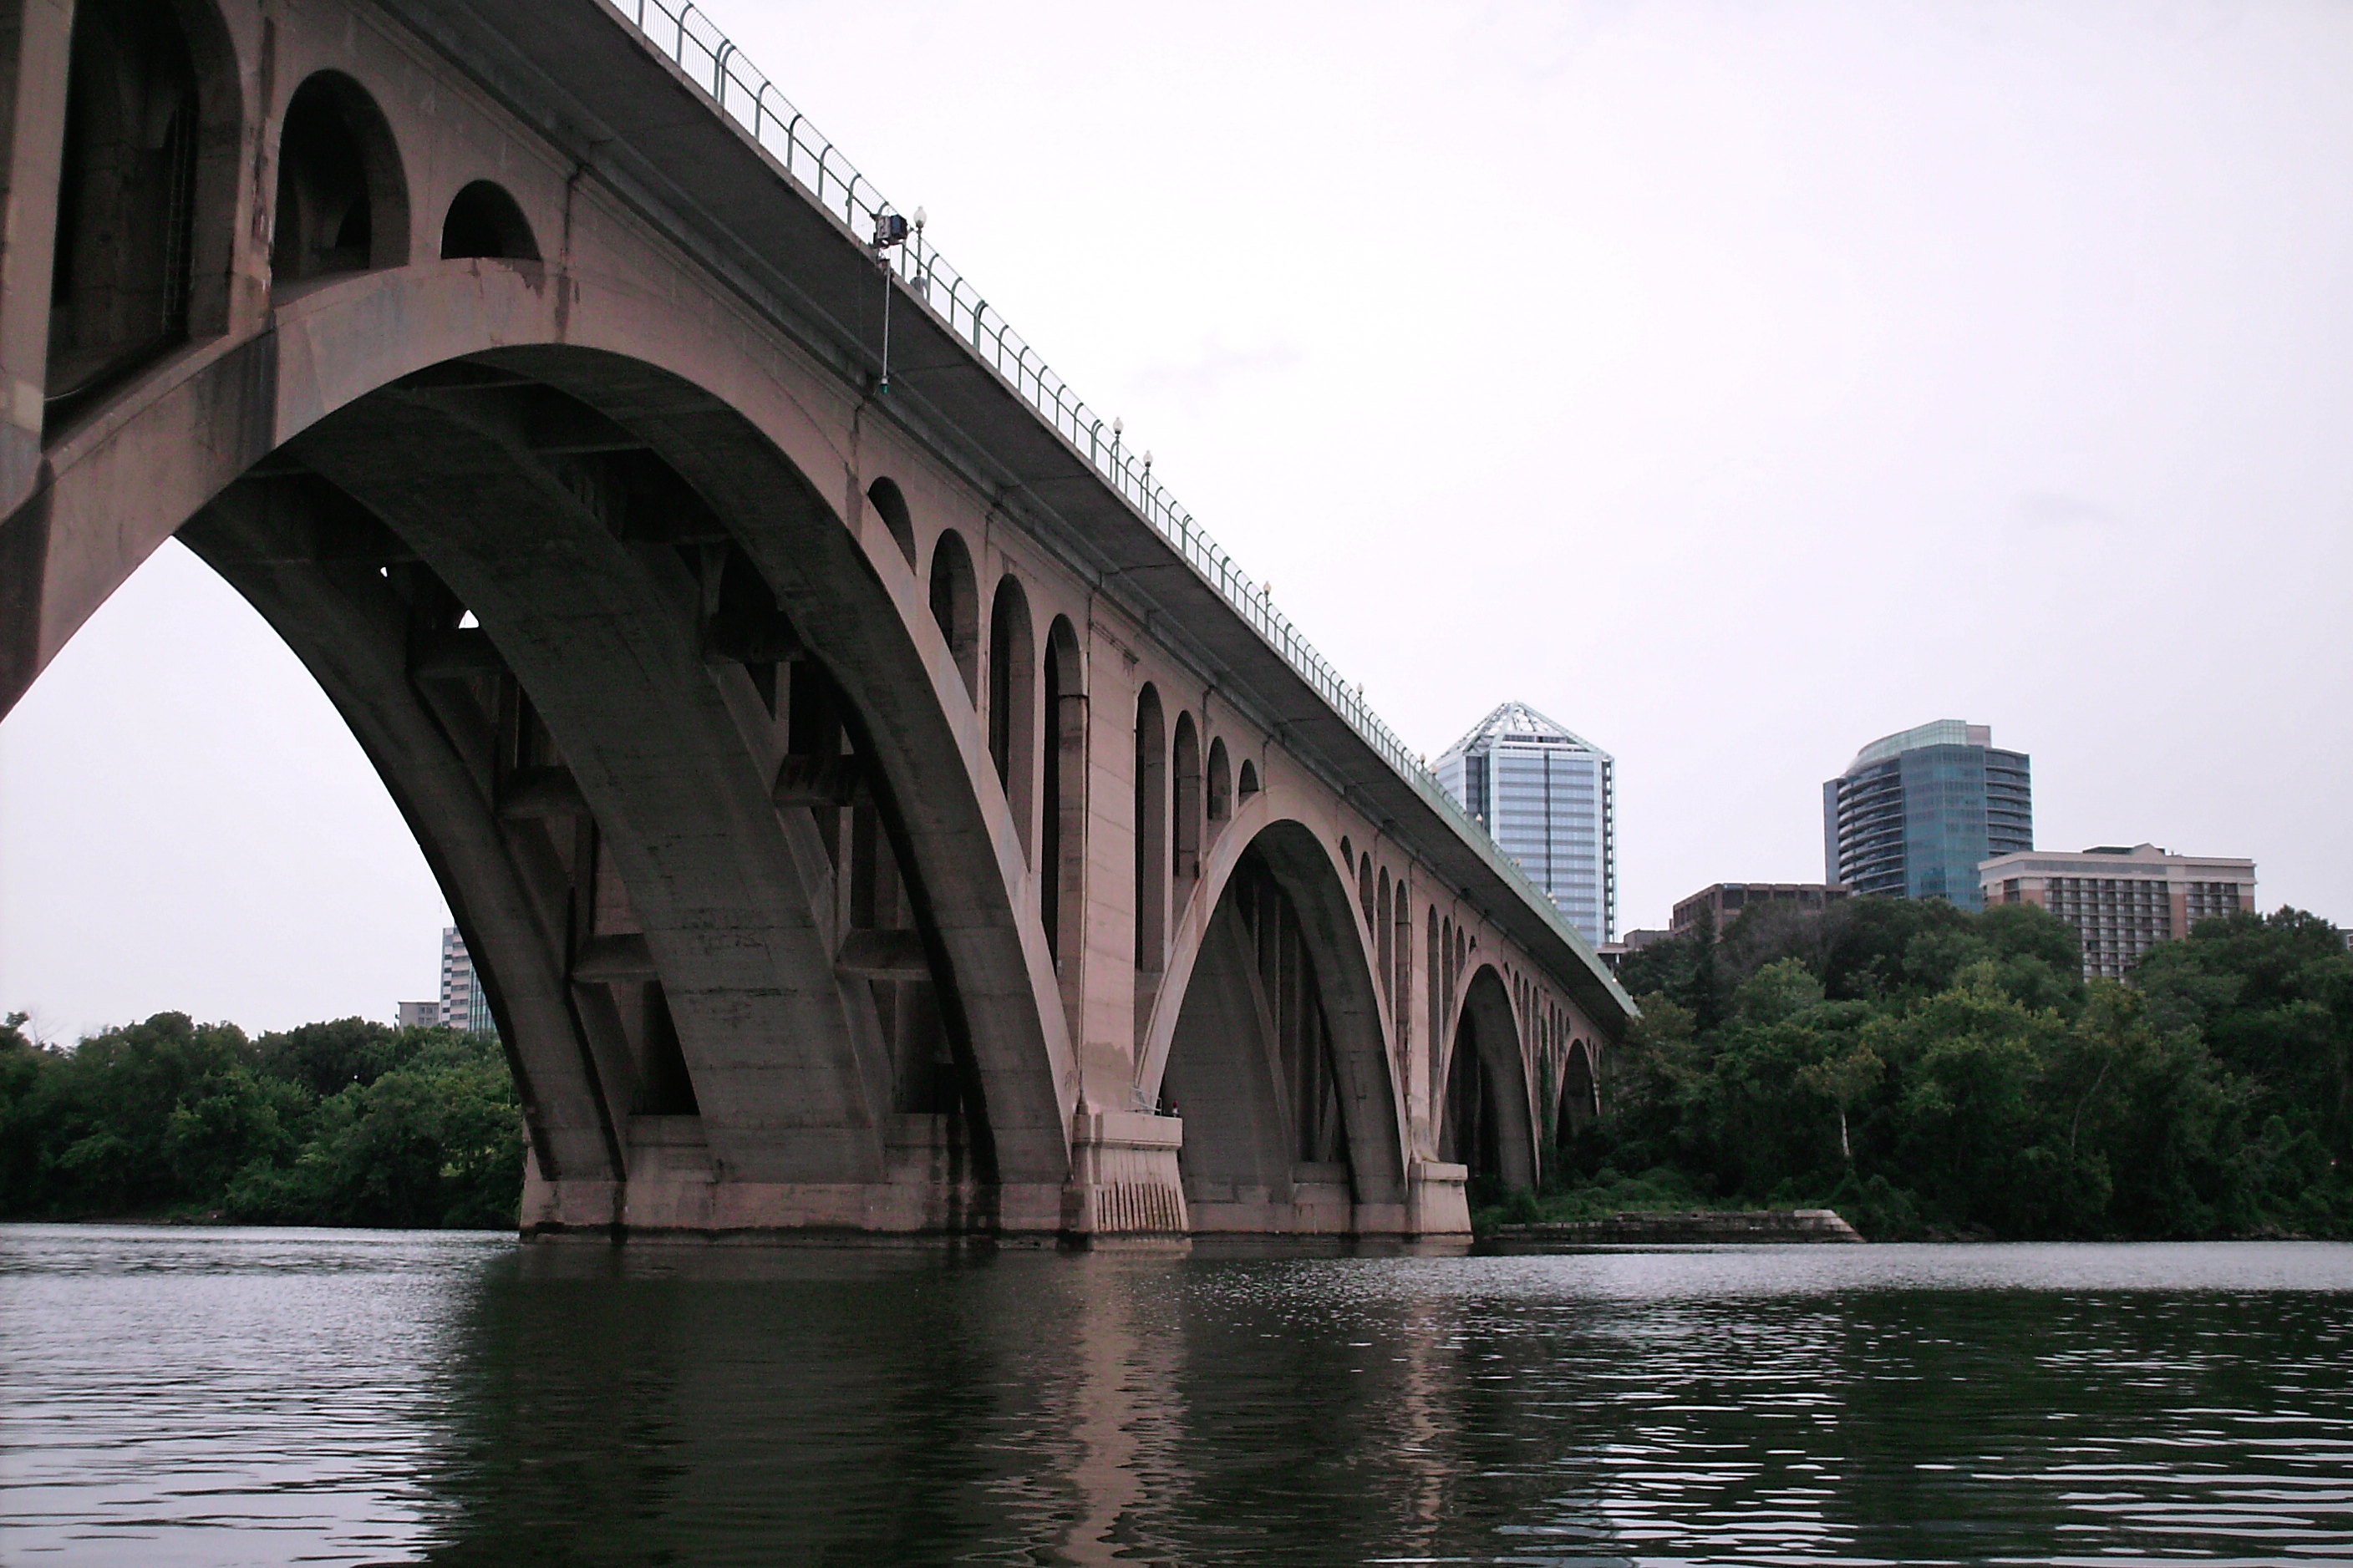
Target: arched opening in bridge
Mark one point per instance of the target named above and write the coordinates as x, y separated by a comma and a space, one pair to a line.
483, 221
562, 739
1219, 786
1249, 784
121, 277
343, 200
1401, 977
1385, 942
1484, 1122
1580, 1091
1274, 1060
1184, 867
1365, 895
956, 606
891, 505
1062, 774
1013, 699
1434, 982
1150, 844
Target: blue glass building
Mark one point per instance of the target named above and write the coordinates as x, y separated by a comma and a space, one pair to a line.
1547, 797
1914, 813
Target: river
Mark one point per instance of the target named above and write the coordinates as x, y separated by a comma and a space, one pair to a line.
199, 1396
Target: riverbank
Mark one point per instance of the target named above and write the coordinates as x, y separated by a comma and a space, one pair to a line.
1687, 1226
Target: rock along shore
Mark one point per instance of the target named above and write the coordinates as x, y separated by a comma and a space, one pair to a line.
1689, 1225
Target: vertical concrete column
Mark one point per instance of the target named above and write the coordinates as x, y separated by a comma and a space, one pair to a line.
1124, 1178
1106, 1042
36, 45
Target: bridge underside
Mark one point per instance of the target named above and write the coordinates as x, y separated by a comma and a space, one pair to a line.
849, 840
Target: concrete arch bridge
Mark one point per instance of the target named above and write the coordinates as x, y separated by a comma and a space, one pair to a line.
871, 809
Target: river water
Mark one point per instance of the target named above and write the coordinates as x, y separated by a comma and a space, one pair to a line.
175, 1396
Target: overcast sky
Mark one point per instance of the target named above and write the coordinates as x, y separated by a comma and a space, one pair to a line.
1736, 382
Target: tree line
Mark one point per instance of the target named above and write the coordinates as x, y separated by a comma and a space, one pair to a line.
1926, 1070
1933, 1072
342, 1123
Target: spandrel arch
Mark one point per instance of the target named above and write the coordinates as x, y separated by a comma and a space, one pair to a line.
1271, 996
1485, 1121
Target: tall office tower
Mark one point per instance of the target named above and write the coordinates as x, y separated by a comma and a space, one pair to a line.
1914, 813
463, 1005
2121, 901
1547, 796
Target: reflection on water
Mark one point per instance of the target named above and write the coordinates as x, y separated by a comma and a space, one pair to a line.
181, 1396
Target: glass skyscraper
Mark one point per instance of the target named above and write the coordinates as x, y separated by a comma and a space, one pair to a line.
1547, 796
1914, 813
463, 1003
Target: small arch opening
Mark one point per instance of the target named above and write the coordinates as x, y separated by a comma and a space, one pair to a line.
1248, 785
1185, 865
484, 221
1219, 786
1061, 788
891, 505
342, 203
956, 606
1013, 699
1151, 840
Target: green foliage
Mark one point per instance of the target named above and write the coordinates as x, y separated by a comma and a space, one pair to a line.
1930, 1071
347, 1122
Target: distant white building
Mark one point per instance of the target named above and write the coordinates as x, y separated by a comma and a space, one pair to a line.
2121, 901
463, 1005
1549, 798
418, 1014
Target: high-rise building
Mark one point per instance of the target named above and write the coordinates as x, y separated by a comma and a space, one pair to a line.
463, 1004
1914, 813
2121, 901
1547, 797
418, 1014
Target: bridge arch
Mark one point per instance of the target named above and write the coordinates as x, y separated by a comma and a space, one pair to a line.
956, 608
889, 503
343, 192
1580, 1087
146, 193
485, 222
1013, 699
1485, 1120
1062, 790
1268, 1039
360, 395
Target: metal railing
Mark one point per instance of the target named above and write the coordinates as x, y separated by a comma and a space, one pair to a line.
710, 60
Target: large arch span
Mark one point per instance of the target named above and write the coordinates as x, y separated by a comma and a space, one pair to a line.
583, 642
863, 818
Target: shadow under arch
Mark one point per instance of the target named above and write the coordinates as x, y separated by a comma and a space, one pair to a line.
850, 614
343, 192
1486, 1122
1268, 1039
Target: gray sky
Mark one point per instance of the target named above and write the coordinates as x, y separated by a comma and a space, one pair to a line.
1736, 382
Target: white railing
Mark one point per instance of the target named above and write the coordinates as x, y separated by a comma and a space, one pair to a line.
714, 64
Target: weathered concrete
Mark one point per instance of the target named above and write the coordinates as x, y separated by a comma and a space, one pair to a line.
865, 823
1688, 1227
